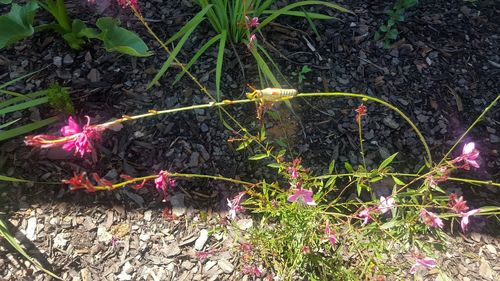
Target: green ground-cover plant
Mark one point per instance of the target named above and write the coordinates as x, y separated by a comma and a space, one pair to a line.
306, 226
388, 32
237, 22
18, 24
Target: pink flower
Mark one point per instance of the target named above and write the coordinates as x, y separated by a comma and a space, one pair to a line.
423, 262
234, 205
365, 215
73, 137
254, 22
465, 218
386, 204
360, 111
469, 156
330, 234
457, 205
293, 169
252, 38
431, 219
163, 182
303, 195
252, 270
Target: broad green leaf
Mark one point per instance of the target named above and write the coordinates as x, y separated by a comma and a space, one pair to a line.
24, 105
9, 179
348, 167
79, 32
392, 34
4, 232
17, 24
171, 58
258, 156
26, 128
118, 39
387, 161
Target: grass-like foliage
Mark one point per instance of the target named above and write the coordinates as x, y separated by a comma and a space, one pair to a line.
237, 21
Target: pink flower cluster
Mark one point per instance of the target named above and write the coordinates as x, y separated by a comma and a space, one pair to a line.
251, 23
385, 205
73, 137
431, 219
459, 206
234, 205
163, 183
468, 157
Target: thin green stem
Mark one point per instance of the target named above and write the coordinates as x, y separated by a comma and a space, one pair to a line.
361, 96
492, 104
360, 133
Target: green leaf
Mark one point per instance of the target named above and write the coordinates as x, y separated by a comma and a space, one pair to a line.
17, 24
170, 59
5, 2
299, 4
348, 167
258, 156
387, 161
359, 188
390, 22
393, 34
193, 23
244, 144
118, 39
197, 56
390, 224
376, 36
383, 28
9, 123
274, 165
264, 67
21, 97
26, 128
331, 181
4, 232
79, 32
218, 66
313, 16
397, 181
24, 105
9, 179
331, 167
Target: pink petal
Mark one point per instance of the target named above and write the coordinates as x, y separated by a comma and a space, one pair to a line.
473, 163
70, 129
68, 146
427, 262
414, 268
468, 148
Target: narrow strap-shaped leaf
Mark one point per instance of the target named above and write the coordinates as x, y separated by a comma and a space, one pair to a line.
26, 128
264, 67
9, 123
220, 60
15, 80
24, 105
189, 25
300, 4
4, 232
17, 99
10, 179
197, 56
171, 58
314, 16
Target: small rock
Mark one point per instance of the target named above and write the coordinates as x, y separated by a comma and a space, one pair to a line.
144, 237
147, 215
202, 239
245, 224
485, 269
30, 231
388, 121
343, 81
187, 265
85, 274
103, 235
209, 265
94, 75
172, 249
194, 160
178, 207
204, 127
226, 266
60, 241
68, 59
491, 249
57, 61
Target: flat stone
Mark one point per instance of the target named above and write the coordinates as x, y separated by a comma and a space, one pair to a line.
68, 59
245, 224
202, 239
103, 235
485, 269
147, 215
226, 266
194, 160
388, 121
60, 241
172, 249
30, 231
